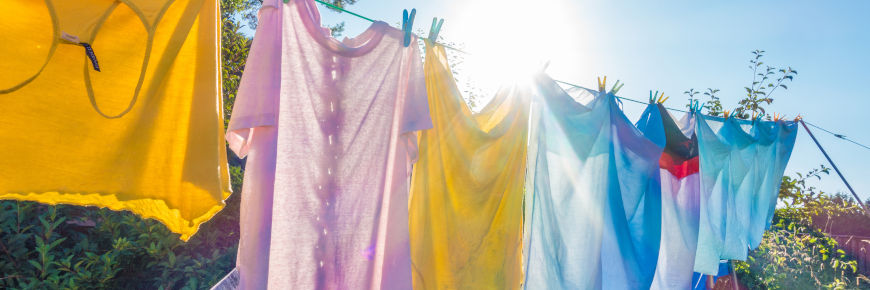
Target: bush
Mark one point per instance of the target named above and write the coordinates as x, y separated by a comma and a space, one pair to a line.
53, 247
794, 253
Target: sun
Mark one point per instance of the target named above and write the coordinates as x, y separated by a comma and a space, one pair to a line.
509, 40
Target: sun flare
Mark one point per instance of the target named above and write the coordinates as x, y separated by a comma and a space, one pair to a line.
509, 40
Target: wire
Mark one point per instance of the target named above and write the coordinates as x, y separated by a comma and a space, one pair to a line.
841, 136
343, 10
623, 98
468, 53
858, 199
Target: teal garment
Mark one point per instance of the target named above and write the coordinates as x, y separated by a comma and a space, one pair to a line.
593, 194
741, 164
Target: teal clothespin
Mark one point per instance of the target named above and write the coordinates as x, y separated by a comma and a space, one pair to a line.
408, 25
286, 1
435, 29
652, 97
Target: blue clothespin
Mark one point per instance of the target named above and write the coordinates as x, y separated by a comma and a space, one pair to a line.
435, 29
694, 106
408, 25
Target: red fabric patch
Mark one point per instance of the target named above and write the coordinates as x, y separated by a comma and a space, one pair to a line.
679, 167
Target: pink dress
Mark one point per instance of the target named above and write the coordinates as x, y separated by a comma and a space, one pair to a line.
328, 130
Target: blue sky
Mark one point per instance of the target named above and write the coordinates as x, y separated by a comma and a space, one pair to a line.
676, 45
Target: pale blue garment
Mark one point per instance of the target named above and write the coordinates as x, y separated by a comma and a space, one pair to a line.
593, 202
770, 165
740, 177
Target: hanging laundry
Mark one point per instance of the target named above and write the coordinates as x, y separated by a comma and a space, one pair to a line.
330, 129
740, 177
114, 104
594, 194
467, 189
680, 189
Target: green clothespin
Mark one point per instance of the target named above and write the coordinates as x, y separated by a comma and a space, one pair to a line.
435, 29
286, 1
408, 25
652, 97
616, 87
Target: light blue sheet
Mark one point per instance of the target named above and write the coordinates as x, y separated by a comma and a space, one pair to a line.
593, 194
741, 163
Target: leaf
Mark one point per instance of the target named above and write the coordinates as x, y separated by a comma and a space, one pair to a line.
35, 264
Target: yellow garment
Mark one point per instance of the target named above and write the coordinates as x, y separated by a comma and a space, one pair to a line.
143, 135
467, 188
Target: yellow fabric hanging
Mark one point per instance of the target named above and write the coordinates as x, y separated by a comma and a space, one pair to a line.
145, 134
467, 188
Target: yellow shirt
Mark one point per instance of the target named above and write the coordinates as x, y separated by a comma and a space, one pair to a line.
467, 188
144, 134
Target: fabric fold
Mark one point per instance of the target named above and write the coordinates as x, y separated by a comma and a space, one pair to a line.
144, 133
741, 164
329, 128
467, 187
594, 195
680, 201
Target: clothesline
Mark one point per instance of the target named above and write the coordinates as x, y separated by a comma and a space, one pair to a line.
840, 136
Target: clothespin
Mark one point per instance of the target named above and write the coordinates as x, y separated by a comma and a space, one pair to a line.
602, 84
652, 97
89, 51
616, 87
435, 29
286, 1
408, 25
662, 98
694, 106
798, 118
726, 113
544, 66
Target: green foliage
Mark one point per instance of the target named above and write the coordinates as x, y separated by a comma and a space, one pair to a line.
71, 247
713, 106
794, 254
764, 82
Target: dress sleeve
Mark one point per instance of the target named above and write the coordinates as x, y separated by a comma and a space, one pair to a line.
257, 99
416, 111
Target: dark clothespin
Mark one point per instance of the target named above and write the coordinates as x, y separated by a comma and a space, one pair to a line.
408, 25
89, 51
435, 29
